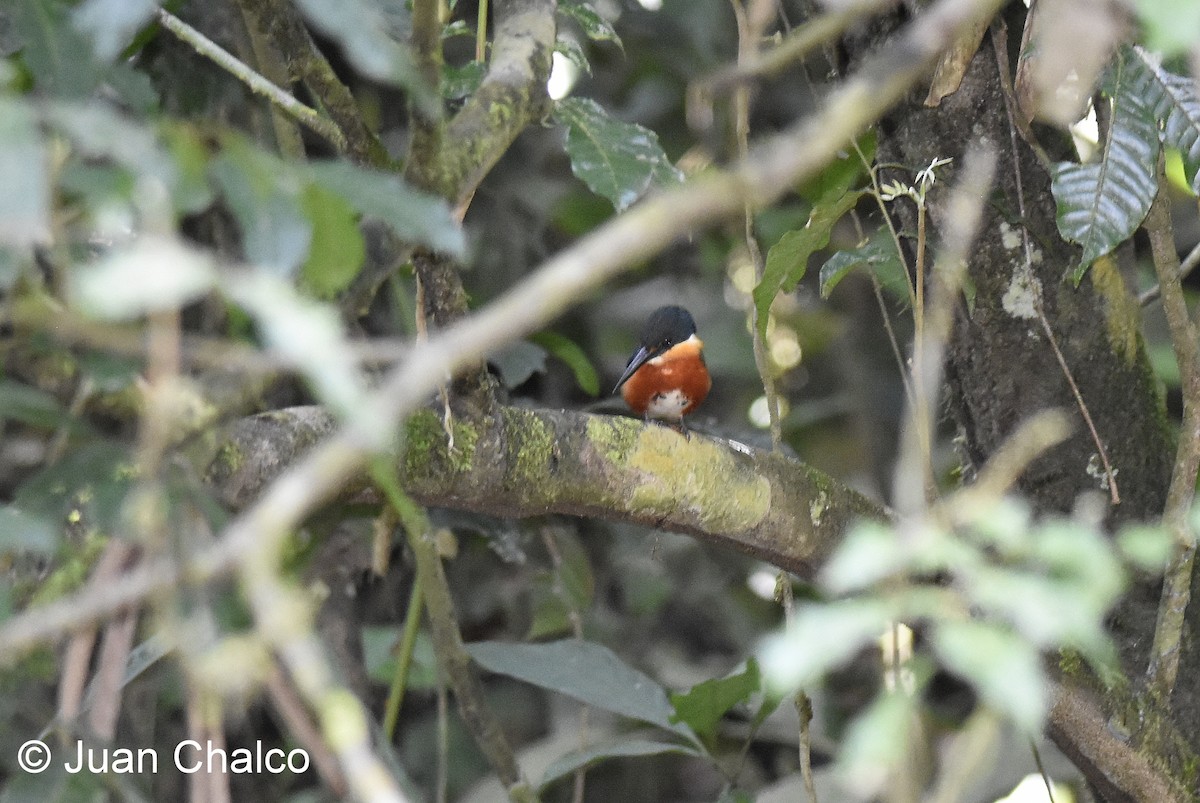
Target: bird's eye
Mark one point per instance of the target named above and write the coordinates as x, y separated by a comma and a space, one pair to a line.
666, 344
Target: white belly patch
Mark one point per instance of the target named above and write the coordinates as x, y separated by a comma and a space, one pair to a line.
667, 405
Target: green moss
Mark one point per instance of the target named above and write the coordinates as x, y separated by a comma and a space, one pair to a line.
1122, 313
534, 442
229, 460
72, 574
698, 476
614, 437
427, 451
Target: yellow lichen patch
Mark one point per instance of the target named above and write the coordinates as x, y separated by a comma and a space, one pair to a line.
1123, 318
613, 437
698, 476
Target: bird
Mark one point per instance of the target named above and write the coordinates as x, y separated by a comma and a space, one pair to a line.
666, 377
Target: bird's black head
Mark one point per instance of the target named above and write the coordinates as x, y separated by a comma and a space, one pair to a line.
667, 327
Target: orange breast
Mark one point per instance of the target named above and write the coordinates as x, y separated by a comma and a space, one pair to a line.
680, 370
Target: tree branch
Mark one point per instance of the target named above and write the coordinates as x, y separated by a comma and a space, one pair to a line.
452, 161
1177, 588
770, 170
310, 118
279, 21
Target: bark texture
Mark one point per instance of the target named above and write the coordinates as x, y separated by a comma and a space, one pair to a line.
1001, 365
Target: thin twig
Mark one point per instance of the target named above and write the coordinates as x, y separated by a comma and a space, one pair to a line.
1110, 476
1189, 264
1166, 648
447, 640
301, 727
768, 171
748, 38
404, 654
310, 118
794, 47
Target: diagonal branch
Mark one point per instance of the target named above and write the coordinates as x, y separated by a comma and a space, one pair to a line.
767, 172
279, 21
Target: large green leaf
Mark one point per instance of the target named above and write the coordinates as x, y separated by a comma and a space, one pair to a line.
370, 35
569, 352
617, 160
415, 216
89, 485
588, 672
703, 705
32, 406
152, 273
1004, 668
24, 192
1101, 204
21, 532
265, 195
594, 26
878, 255
1176, 106
100, 131
57, 55
338, 249
787, 260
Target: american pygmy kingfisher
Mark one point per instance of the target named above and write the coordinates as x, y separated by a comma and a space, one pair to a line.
666, 378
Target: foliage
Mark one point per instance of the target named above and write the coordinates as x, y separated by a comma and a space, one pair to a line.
183, 262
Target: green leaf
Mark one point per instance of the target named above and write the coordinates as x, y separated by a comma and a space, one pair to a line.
569, 352
590, 673
845, 171
706, 703
1148, 548
878, 255
1176, 106
100, 131
820, 638
31, 406
25, 190
595, 26
415, 216
111, 24
154, 273
1005, 669
265, 196
372, 41
309, 335
58, 57
1100, 205
88, 484
191, 191
620, 161
629, 748
877, 740
787, 260
21, 532
337, 250
518, 361
573, 53
872, 552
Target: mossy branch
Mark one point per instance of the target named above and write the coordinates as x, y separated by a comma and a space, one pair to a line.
257, 84
1177, 588
279, 21
523, 462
